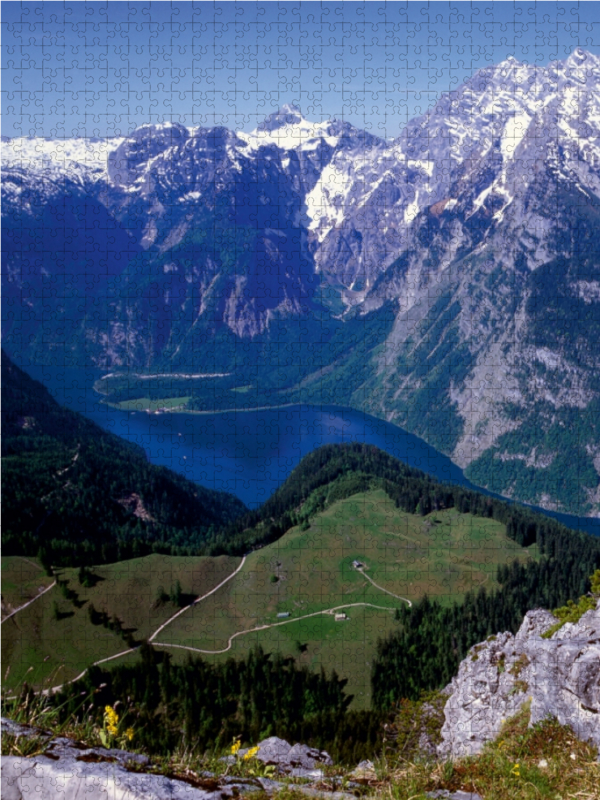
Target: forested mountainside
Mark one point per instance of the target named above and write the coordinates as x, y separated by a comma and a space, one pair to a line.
322, 263
57, 465
442, 635
336, 471
212, 703
73, 493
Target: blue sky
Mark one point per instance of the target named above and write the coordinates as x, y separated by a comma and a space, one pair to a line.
102, 68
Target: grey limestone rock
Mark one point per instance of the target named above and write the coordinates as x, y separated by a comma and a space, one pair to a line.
298, 760
363, 772
270, 786
69, 770
308, 757
63, 747
273, 751
560, 676
68, 778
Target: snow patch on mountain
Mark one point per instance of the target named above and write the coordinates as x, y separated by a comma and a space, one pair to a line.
75, 158
514, 131
325, 202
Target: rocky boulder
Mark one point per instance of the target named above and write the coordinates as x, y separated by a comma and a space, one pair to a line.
297, 761
285, 756
69, 770
559, 676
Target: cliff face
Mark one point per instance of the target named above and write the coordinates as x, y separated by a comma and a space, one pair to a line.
559, 676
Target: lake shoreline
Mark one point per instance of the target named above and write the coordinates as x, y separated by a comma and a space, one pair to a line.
464, 481
177, 410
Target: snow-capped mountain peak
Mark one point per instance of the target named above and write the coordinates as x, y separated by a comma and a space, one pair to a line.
579, 58
80, 159
356, 195
288, 114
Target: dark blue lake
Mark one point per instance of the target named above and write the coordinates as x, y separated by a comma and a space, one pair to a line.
250, 453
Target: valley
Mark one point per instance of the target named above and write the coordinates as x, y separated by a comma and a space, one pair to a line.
329, 266
300, 383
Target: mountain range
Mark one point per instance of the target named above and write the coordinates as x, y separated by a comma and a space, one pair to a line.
447, 280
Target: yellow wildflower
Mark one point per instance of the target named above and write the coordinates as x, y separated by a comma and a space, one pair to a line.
235, 746
251, 753
515, 770
129, 734
111, 720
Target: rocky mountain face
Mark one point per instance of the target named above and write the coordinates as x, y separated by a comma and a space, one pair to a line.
448, 280
558, 676
497, 288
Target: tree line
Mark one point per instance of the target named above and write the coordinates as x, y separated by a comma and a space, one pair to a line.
202, 706
432, 639
334, 472
74, 494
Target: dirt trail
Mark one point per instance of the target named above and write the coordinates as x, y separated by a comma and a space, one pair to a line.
20, 608
271, 625
29, 561
233, 636
381, 589
156, 632
197, 600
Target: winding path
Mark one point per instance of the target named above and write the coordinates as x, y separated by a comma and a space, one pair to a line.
197, 600
271, 625
156, 632
33, 599
377, 586
29, 561
232, 637
53, 689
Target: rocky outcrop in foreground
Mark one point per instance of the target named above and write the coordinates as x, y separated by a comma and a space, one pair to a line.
69, 770
559, 676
